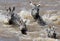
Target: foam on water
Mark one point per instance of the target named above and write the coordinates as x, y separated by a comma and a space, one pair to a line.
51, 17
3, 18
25, 15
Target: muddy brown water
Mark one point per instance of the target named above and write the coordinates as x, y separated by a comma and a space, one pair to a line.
8, 32
21, 4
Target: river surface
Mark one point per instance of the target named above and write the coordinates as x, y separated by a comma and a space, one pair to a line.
49, 11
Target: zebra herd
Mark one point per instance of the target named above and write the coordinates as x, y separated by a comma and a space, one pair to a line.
17, 20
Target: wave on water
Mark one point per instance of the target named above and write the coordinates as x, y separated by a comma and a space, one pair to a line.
3, 17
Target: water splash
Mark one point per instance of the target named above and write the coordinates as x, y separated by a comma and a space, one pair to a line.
3, 17
25, 15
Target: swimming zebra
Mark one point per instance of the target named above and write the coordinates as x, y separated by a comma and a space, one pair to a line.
35, 14
14, 18
17, 20
51, 33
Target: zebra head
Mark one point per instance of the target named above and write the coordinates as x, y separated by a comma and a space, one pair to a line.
14, 18
35, 9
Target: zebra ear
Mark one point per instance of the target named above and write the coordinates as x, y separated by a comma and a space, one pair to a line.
13, 9
38, 5
9, 9
32, 4
25, 21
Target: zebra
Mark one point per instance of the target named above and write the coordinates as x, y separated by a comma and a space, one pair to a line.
17, 20
35, 14
51, 32
14, 18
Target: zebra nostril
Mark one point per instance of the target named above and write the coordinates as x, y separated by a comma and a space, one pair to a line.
24, 31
